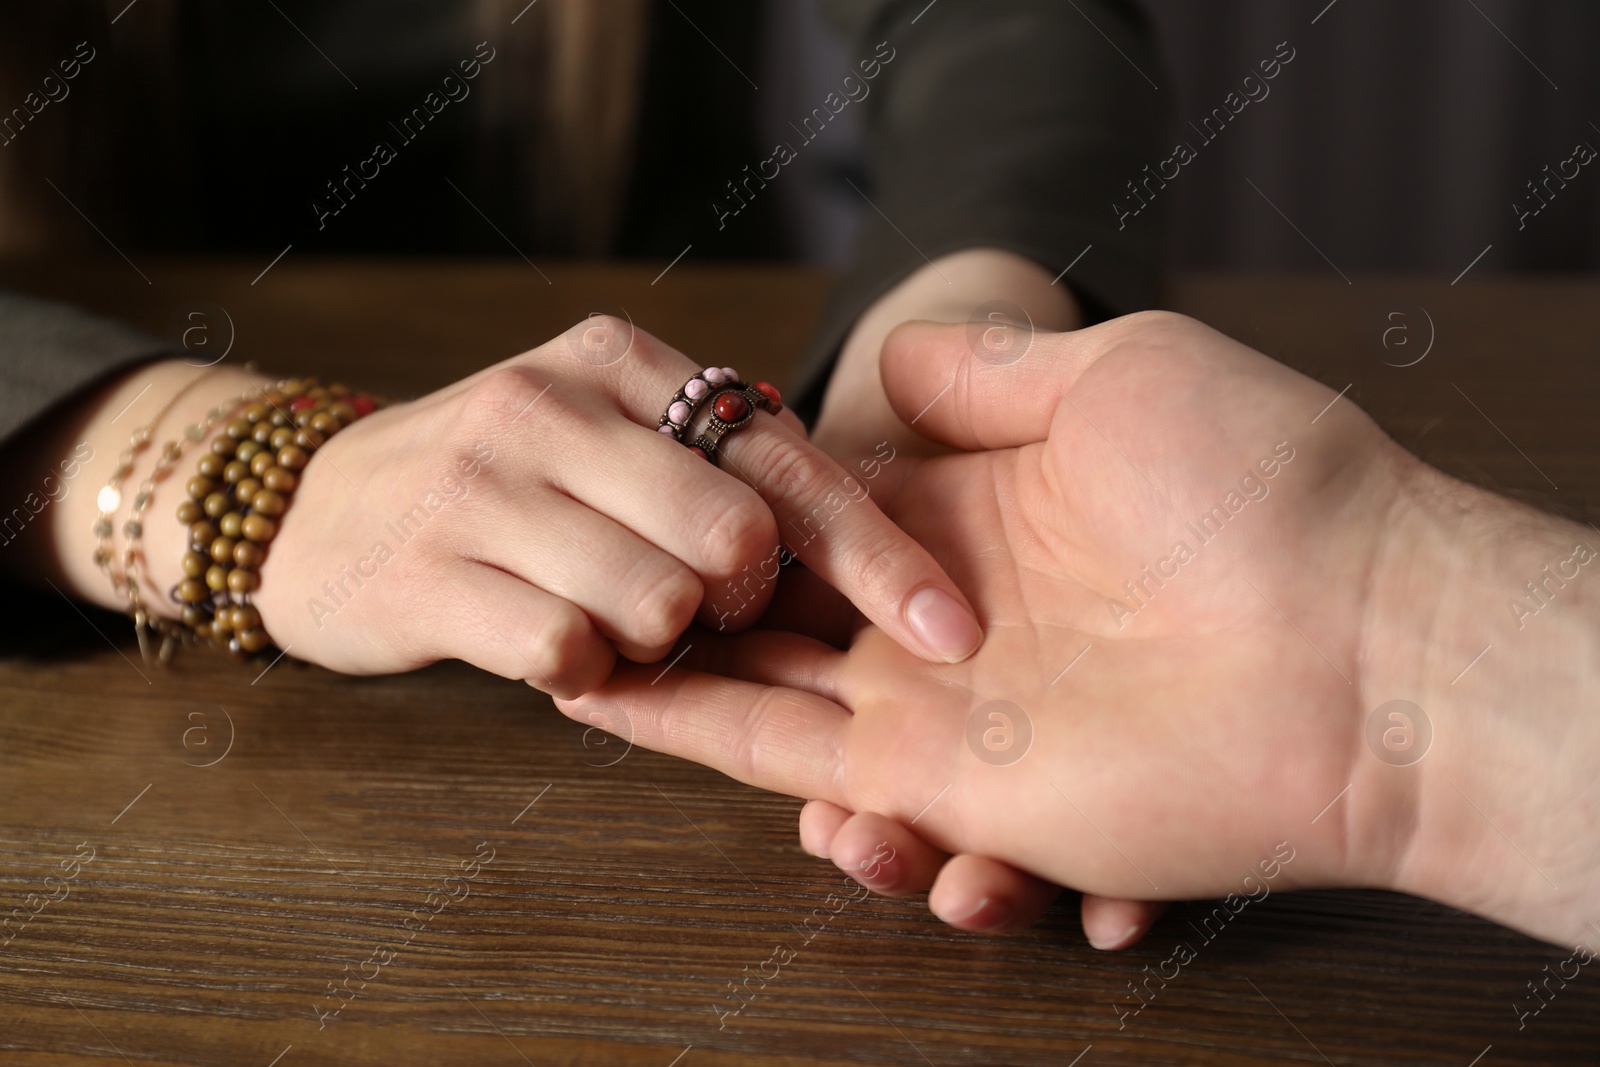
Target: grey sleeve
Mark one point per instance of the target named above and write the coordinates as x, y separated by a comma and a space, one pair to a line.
50, 351
1012, 124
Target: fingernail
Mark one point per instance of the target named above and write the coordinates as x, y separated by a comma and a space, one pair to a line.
941, 622
966, 913
1106, 945
880, 878
988, 913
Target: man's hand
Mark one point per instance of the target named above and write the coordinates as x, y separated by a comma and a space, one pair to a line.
985, 284
1200, 573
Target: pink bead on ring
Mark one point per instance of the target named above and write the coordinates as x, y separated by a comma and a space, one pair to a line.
674, 422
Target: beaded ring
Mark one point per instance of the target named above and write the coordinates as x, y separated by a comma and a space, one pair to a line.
732, 408
674, 422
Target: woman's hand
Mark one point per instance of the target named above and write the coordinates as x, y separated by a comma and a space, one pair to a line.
1200, 577
530, 520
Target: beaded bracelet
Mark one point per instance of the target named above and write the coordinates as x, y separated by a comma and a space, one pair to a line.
237, 496
110, 497
133, 528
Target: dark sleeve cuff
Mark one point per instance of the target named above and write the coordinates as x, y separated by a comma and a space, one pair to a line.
50, 351
1009, 124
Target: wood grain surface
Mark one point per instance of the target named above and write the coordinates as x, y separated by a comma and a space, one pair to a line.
513, 889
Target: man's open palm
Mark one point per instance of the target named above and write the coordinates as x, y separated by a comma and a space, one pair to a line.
1170, 541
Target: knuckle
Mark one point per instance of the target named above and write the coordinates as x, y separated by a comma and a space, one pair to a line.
876, 567
559, 648
793, 469
642, 341
1159, 327
1164, 337
605, 321
772, 737
741, 531
753, 749
501, 397
666, 606
1159, 320
602, 339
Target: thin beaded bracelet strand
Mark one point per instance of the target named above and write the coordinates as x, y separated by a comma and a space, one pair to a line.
110, 498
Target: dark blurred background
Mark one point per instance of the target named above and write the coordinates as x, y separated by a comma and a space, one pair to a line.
1398, 139
1402, 136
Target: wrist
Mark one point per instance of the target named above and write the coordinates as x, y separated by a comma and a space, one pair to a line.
1486, 615
108, 423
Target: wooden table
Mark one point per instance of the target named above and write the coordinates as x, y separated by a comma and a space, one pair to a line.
255, 841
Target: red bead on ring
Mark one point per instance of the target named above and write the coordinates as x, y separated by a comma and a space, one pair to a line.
732, 408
